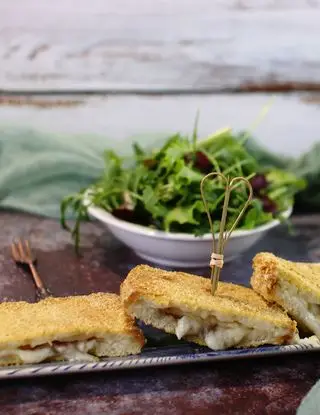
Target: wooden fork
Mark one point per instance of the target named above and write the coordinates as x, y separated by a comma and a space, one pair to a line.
22, 254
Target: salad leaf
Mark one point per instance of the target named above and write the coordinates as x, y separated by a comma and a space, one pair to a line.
305, 167
256, 215
180, 215
308, 167
160, 188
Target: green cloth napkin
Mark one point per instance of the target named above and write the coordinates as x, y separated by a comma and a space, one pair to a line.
310, 404
38, 169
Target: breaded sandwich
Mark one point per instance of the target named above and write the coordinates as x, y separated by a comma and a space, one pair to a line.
79, 328
293, 285
182, 304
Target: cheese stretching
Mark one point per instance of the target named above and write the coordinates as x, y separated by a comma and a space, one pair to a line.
79, 328
293, 285
182, 304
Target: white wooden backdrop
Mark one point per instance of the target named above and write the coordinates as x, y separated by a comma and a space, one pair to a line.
224, 49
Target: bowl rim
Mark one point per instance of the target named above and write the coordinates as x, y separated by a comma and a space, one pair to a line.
134, 228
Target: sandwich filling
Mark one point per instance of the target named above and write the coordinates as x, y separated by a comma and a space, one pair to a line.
72, 351
305, 312
216, 332
216, 337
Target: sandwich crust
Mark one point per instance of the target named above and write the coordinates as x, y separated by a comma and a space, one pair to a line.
268, 270
181, 291
293, 285
65, 319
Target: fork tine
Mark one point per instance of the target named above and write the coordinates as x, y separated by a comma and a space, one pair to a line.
22, 254
29, 250
14, 252
21, 250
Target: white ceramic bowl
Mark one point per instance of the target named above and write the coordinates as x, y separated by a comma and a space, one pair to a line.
178, 249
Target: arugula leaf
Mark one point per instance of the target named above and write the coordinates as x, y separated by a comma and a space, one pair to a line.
138, 151
152, 203
255, 215
76, 203
279, 178
188, 175
180, 215
161, 188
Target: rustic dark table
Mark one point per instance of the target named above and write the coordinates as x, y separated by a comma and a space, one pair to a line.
259, 386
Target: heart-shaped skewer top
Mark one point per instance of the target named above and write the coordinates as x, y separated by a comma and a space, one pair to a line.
217, 257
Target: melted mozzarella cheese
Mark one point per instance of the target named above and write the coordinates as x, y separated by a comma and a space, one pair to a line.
36, 355
187, 326
75, 351
222, 338
299, 308
218, 338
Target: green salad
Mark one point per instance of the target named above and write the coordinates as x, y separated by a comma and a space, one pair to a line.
160, 188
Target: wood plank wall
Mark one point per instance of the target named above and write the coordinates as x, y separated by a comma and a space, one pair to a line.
121, 67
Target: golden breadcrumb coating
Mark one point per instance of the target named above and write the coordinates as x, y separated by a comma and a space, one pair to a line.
65, 319
293, 285
179, 290
269, 269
